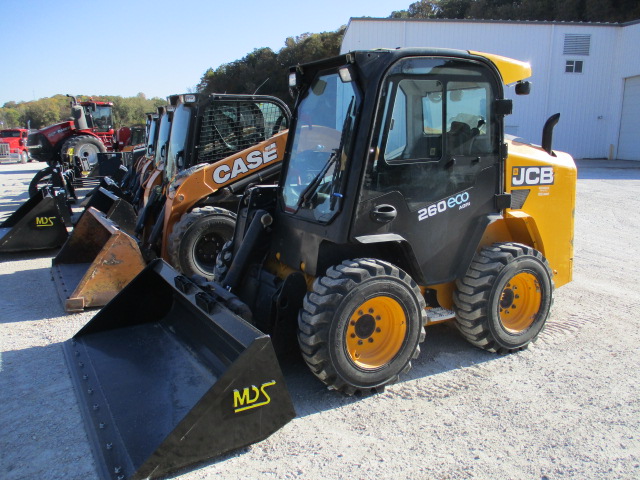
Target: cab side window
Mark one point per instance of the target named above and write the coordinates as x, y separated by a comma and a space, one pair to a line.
436, 130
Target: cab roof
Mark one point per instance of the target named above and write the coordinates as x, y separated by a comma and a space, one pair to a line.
511, 70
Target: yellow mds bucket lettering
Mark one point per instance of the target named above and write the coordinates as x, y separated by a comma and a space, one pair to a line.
249, 396
44, 221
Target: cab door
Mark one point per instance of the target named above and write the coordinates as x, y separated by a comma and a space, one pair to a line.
434, 168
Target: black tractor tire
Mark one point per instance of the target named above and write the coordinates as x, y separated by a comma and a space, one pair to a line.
223, 262
197, 238
361, 325
41, 179
503, 302
83, 146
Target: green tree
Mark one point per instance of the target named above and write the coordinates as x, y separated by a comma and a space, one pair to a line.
550, 10
421, 9
10, 118
48, 111
264, 71
42, 112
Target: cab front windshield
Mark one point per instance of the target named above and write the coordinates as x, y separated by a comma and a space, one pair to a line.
102, 117
151, 135
163, 139
322, 139
177, 142
9, 134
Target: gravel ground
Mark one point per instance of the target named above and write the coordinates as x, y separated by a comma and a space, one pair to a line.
565, 408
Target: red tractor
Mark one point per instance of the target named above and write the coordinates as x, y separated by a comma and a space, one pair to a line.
73, 145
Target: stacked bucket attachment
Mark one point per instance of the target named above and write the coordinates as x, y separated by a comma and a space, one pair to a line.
116, 208
38, 224
96, 262
167, 376
109, 164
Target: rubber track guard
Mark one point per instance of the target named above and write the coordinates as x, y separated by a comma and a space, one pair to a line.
168, 377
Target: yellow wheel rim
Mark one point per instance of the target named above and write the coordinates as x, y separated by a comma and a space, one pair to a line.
520, 302
376, 332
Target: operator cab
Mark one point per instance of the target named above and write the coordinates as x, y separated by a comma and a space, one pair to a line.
99, 117
394, 162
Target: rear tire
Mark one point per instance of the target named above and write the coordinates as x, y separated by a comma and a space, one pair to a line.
197, 238
83, 146
223, 262
503, 302
361, 325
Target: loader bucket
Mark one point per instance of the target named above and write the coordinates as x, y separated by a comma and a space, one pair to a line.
117, 209
39, 223
95, 263
109, 164
167, 377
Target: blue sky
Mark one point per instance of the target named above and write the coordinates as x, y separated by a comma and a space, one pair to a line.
158, 47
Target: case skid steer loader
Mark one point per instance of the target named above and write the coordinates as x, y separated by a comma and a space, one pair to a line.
401, 203
217, 146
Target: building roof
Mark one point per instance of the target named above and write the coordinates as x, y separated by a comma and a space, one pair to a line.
475, 20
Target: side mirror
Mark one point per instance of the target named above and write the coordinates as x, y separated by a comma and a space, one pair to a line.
523, 88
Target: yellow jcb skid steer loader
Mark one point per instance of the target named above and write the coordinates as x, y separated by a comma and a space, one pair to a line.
217, 146
401, 203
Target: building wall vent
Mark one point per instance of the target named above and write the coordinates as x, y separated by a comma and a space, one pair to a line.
576, 44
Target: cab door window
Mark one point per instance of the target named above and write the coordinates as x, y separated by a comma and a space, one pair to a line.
436, 130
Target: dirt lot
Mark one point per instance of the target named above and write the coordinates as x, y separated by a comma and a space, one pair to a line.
566, 408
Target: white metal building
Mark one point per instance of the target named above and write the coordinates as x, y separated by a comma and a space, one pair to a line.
589, 72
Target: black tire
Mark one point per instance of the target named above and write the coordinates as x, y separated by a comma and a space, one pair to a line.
198, 237
361, 325
83, 146
24, 157
223, 262
503, 302
39, 180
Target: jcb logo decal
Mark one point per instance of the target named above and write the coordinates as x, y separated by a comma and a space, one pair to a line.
249, 397
44, 221
532, 176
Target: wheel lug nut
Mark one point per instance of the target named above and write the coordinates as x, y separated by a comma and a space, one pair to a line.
378, 317
371, 310
353, 323
360, 312
378, 330
359, 342
371, 340
353, 335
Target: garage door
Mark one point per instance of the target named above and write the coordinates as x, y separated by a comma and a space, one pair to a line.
629, 142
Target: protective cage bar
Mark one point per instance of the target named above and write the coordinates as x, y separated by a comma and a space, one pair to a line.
231, 126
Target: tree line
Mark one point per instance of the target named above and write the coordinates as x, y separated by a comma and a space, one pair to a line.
614, 11
37, 114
